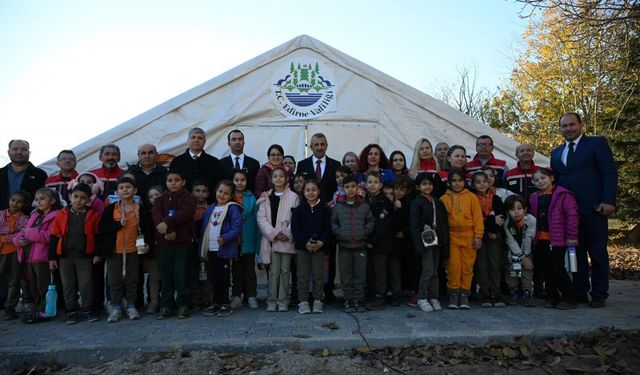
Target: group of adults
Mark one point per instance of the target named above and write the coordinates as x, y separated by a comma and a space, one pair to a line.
583, 164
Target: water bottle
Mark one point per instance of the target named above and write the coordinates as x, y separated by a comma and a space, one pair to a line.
51, 299
573, 260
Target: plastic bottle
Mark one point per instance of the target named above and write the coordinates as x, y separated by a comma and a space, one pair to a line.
51, 299
573, 260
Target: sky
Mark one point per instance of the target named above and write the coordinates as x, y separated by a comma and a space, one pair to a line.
70, 70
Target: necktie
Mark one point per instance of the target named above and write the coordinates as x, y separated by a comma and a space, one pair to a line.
570, 154
318, 170
237, 164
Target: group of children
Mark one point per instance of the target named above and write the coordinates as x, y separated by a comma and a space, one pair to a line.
480, 234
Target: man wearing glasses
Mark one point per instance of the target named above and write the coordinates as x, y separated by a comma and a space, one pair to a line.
58, 181
484, 158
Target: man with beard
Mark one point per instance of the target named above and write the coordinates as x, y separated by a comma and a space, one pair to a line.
109, 171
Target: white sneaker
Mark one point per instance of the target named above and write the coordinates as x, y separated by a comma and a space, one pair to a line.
236, 302
425, 306
318, 307
253, 303
272, 307
283, 307
132, 313
435, 304
303, 308
114, 316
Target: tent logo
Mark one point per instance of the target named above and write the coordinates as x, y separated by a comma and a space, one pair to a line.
304, 91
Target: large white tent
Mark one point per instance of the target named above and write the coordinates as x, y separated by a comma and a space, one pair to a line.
289, 93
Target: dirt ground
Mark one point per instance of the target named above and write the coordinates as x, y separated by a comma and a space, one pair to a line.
606, 351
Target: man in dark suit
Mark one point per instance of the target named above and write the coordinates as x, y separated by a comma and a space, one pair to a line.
196, 164
20, 174
238, 160
585, 165
323, 168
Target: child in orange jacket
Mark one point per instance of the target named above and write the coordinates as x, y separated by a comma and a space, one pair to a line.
466, 229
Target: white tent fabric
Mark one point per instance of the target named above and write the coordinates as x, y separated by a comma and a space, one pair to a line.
369, 107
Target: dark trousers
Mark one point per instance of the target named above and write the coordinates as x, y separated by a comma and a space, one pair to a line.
488, 267
98, 285
353, 273
220, 275
76, 276
9, 267
377, 274
411, 269
429, 288
331, 274
173, 264
556, 279
394, 274
244, 277
541, 256
593, 243
127, 286
310, 267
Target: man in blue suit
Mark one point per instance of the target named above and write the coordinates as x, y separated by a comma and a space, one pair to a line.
585, 165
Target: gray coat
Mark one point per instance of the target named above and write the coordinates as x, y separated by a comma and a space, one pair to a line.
352, 224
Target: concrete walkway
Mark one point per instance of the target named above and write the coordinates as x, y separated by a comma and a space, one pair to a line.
258, 331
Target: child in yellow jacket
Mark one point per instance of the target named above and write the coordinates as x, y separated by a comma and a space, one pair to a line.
466, 229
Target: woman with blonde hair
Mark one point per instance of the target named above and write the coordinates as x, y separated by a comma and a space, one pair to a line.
423, 159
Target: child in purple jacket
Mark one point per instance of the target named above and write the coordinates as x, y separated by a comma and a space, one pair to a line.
556, 213
221, 229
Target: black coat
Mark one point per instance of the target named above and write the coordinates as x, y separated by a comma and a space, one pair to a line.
206, 168
421, 213
33, 180
383, 235
144, 182
328, 184
250, 165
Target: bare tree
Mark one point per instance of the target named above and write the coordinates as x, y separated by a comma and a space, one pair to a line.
465, 95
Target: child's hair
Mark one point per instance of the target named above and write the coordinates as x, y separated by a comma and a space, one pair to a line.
124, 180
201, 183
127, 174
457, 172
93, 176
478, 174
546, 172
403, 182
26, 197
158, 188
279, 168
511, 200
234, 172
178, 172
229, 184
388, 185
349, 178
345, 170
56, 205
425, 176
311, 181
375, 174
83, 188
352, 154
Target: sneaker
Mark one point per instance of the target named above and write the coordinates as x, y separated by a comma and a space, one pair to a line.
164, 313
425, 306
72, 318
435, 304
183, 312
486, 301
115, 315
413, 302
464, 301
361, 307
283, 307
598, 302
10, 313
225, 310
303, 308
565, 305
272, 307
132, 313
253, 302
550, 304
91, 316
454, 301
211, 310
349, 307
526, 299
377, 303
498, 302
318, 307
514, 299
236, 302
